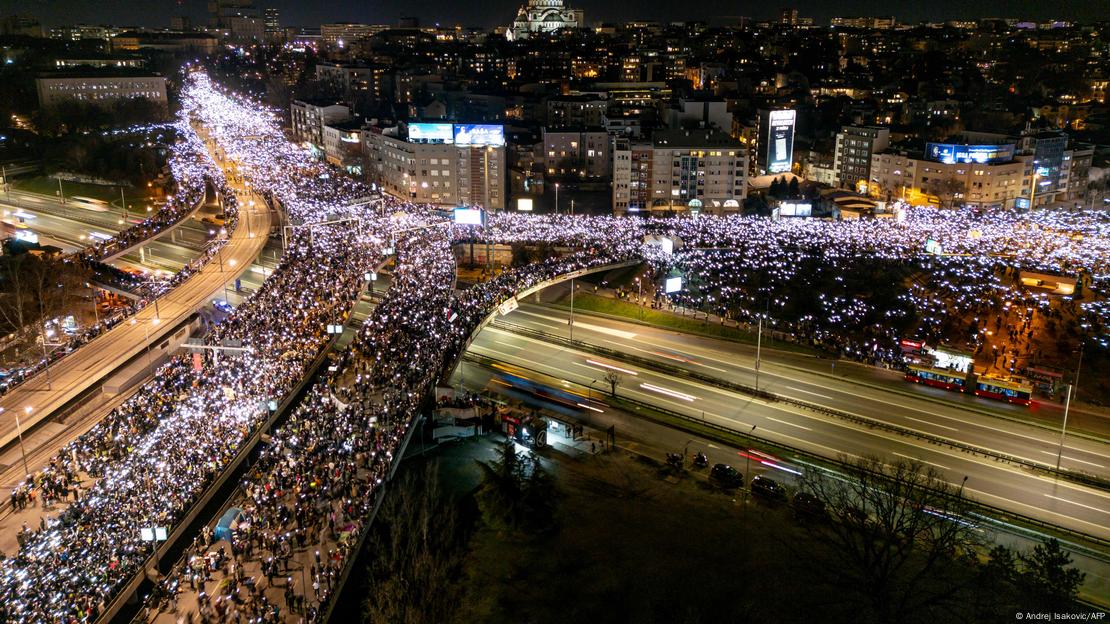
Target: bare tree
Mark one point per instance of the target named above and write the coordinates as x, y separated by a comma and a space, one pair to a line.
614, 378
418, 548
34, 289
15, 297
949, 190
895, 535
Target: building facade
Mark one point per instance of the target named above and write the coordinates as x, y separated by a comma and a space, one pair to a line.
571, 152
989, 185
854, 147
679, 171
99, 87
308, 118
543, 16
441, 173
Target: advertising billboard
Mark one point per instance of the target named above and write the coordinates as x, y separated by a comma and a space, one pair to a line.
780, 141
468, 216
524, 204
479, 134
795, 209
673, 284
949, 153
430, 133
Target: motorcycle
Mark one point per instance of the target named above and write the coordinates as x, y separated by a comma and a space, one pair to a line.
674, 460
701, 460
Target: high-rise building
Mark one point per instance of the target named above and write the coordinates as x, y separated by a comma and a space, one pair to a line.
854, 147
220, 12
576, 152
543, 16
439, 163
789, 17
679, 171
872, 23
343, 34
20, 25
310, 116
775, 141
1048, 149
272, 21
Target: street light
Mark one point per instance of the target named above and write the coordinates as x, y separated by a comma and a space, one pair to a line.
556, 198
640, 297
19, 431
748, 455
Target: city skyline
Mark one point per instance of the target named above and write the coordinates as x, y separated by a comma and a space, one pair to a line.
495, 14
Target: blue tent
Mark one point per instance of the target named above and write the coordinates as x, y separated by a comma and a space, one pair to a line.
223, 527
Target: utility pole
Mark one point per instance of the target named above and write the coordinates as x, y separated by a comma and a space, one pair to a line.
572, 309
1063, 428
61, 193
758, 348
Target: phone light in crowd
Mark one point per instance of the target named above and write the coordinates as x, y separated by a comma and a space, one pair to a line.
610, 366
671, 393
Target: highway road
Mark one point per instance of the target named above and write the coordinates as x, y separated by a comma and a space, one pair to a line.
82, 369
653, 440
736, 363
72, 227
1059, 502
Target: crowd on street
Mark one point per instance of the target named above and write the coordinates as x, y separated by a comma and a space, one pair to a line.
318, 475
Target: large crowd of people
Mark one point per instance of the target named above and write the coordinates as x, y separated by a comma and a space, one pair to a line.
193, 172
149, 461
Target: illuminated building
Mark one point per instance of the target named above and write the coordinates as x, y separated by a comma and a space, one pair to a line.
439, 163
543, 16
680, 171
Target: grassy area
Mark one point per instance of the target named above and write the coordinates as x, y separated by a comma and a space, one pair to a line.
670, 320
45, 185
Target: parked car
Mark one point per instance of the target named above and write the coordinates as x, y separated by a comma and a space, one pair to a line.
725, 476
809, 507
768, 488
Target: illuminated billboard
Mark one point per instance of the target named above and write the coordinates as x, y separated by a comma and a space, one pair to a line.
780, 141
949, 153
479, 134
468, 216
431, 133
524, 204
673, 284
795, 209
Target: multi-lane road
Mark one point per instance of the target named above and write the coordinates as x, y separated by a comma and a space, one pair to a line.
1052, 500
75, 225
38, 397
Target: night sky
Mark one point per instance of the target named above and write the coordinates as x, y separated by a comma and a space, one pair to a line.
488, 13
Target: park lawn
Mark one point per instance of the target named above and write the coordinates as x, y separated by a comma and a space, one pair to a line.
45, 185
670, 320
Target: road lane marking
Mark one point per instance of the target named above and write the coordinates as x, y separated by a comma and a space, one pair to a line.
787, 423
889, 436
929, 422
1079, 504
922, 460
823, 396
1074, 459
699, 351
620, 333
